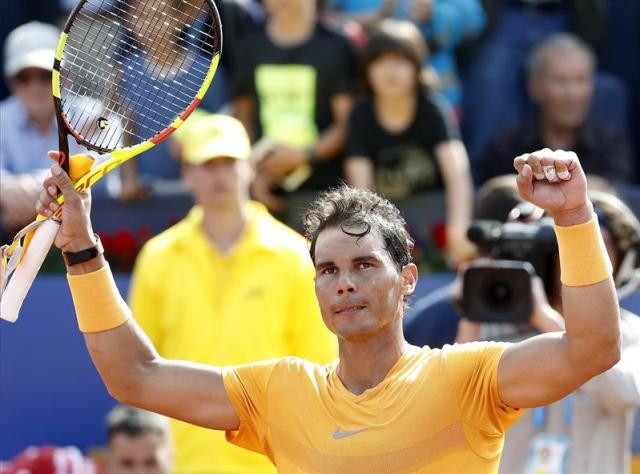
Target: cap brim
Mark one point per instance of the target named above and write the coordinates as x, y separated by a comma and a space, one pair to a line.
215, 150
41, 58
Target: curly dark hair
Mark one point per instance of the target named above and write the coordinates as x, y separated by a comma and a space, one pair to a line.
358, 212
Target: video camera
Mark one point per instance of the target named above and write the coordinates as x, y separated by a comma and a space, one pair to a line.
499, 289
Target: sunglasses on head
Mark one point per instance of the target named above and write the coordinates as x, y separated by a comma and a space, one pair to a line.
40, 75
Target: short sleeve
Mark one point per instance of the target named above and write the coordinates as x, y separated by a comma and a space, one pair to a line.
244, 68
246, 386
344, 66
360, 127
473, 370
441, 122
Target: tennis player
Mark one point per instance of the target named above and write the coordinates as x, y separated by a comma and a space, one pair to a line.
384, 405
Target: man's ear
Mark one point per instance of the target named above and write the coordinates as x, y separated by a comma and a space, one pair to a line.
409, 276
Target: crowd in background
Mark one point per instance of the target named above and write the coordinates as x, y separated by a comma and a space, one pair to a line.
405, 97
307, 80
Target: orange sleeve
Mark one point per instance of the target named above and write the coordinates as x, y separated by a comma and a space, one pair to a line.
247, 386
473, 370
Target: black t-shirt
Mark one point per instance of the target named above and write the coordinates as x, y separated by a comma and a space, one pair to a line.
405, 162
293, 88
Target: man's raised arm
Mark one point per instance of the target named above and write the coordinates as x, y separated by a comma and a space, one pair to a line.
548, 367
129, 365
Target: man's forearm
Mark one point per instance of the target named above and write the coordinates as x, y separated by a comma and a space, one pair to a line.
330, 142
591, 311
120, 353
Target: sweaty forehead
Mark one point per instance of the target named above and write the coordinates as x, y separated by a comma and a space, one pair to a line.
334, 243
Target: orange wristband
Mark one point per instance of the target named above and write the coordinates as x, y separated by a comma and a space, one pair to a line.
583, 256
99, 306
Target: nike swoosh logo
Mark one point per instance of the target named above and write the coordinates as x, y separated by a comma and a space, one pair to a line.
337, 434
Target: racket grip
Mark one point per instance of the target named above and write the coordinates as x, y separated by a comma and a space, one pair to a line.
25, 273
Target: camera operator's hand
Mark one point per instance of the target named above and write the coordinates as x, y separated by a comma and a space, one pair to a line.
555, 181
543, 317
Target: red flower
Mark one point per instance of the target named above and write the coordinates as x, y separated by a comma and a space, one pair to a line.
439, 235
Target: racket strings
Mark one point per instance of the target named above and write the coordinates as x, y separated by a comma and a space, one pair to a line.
134, 67
82, 91
150, 100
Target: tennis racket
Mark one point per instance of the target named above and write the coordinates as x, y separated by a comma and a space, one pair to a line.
127, 73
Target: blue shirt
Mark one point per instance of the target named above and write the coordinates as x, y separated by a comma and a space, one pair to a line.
23, 147
433, 320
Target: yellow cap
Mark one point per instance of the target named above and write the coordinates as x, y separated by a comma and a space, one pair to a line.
214, 136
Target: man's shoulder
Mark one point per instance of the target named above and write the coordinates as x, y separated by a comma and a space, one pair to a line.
296, 369
600, 134
472, 352
10, 109
169, 239
363, 109
277, 235
328, 32
522, 131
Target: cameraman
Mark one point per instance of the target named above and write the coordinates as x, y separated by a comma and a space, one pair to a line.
434, 319
589, 431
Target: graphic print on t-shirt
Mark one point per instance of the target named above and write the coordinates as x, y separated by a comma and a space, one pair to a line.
287, 96
405, 169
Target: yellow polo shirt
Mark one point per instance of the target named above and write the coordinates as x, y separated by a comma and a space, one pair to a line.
436, 411
255, 302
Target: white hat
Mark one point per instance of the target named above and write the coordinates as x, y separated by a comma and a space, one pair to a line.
30, 45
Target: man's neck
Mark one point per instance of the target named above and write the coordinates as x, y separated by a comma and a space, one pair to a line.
558, 138
224, 226
364, 364
289, 30
43, 124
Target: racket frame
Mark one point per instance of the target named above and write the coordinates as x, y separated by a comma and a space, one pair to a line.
31, 258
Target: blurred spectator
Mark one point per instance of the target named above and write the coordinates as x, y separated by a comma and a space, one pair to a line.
592, 427
493, 76
27, 122
232, 244
49, 460
623, 45
434, 318
139, 442
400, 141
560, 80
292, 91
161, 56
445, 24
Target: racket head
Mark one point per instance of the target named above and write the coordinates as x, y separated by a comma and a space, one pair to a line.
127, 73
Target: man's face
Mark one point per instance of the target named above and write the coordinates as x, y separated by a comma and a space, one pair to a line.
32, 87
564, 88
289, 7
359, 288
220, 182
145, 453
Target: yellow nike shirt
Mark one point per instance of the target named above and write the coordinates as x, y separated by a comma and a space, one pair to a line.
436, 411
256, 301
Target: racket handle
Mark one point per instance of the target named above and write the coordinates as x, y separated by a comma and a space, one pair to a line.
25, 273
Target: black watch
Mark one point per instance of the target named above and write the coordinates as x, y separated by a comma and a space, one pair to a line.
74, 258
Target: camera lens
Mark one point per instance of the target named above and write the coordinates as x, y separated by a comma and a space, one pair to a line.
499, 293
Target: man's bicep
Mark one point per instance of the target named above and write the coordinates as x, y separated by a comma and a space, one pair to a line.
537, 371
